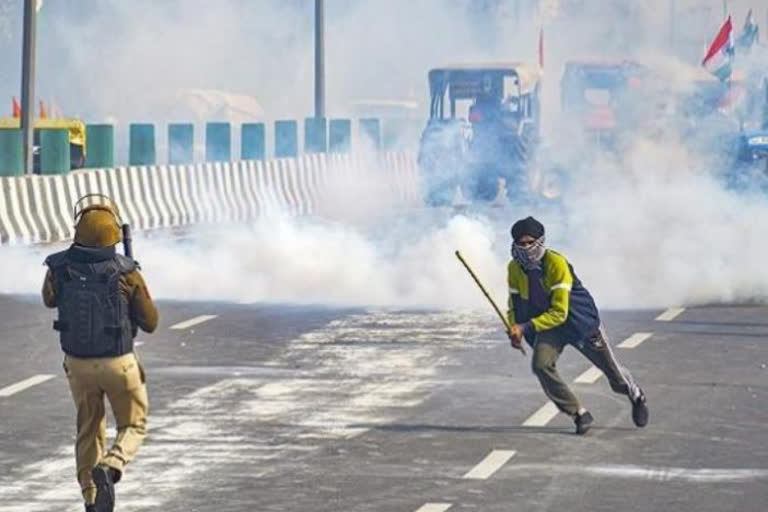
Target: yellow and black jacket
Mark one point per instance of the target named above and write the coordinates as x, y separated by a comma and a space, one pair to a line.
567, 307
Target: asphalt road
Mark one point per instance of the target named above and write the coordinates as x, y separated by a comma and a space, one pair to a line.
285, 408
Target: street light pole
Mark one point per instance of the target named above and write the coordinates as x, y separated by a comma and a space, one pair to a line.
319, 59
28, 83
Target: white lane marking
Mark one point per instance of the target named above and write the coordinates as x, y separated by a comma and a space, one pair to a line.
24, 384
490, 464
666, 474
658, 473
590, 376
669, 314
543, 416
268, 424
192, 322
635, 340
434, 507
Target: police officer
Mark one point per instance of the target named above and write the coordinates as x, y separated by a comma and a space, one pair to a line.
102, 300
550, 308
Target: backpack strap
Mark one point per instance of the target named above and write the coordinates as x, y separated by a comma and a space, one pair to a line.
126, 264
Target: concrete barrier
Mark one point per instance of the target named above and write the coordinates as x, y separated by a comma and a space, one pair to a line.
339, 136
181, 143
11, 153
141, 149
315, 135
286, 139
100, 145
38, 209
54, 151
253, 142
218, 142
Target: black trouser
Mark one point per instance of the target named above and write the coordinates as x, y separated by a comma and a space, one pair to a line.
547, 350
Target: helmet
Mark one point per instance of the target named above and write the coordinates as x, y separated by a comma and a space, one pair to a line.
97, 221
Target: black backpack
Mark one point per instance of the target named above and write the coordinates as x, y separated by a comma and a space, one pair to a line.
94, 316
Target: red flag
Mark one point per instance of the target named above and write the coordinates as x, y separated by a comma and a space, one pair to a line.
16, 108
541, 48
43, 113
721, 40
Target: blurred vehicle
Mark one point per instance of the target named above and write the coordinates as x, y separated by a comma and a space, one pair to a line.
76, 130
604, 99
482, 132
724, 120
749, 169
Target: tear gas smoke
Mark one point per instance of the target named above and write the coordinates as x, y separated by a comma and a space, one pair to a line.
651, 227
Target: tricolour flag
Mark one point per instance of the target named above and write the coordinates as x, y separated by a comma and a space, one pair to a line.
718, 60
749, 34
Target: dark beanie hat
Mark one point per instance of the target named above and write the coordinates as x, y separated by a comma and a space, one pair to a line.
527, 226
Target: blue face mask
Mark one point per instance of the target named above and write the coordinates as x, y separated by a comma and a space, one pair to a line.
530, 256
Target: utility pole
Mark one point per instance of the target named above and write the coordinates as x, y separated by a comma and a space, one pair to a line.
28, 84
319, 59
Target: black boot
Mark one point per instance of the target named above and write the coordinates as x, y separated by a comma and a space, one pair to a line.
90, 508
640, 410
105, 488
583, 422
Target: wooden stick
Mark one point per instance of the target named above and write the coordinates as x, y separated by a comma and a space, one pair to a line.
487, 296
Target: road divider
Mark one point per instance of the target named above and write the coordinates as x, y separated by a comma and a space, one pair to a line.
38, 209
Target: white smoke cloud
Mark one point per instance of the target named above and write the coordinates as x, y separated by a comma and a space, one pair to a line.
650, 228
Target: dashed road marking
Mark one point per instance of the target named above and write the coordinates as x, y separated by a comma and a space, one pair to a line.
543, 416
192, 322
669, 314
490, 464
590, 376
434, 507
672, 474
286, 415
24, 384
635, 339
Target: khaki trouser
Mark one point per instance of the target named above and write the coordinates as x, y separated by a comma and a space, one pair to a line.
547, 350
122, 380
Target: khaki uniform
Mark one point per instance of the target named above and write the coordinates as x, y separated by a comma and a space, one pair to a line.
123, 382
